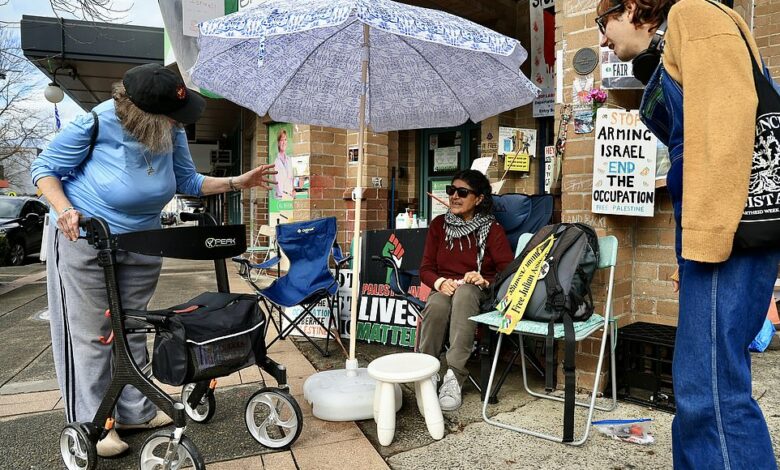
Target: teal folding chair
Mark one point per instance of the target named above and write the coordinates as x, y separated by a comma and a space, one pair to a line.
608, 247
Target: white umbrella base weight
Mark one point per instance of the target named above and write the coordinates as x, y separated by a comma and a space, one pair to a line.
337, 395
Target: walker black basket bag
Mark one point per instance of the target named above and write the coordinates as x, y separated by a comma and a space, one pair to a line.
212, 335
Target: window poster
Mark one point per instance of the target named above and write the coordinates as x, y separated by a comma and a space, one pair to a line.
438, 189
445, 158
624, 164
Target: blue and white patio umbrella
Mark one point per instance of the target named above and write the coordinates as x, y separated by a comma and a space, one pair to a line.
355, 64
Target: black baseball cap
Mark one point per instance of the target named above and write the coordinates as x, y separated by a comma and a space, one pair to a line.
158, 90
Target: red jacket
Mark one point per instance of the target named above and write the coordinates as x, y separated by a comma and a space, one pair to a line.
439, 261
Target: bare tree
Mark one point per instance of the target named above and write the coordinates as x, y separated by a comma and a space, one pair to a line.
23, 125
104, 11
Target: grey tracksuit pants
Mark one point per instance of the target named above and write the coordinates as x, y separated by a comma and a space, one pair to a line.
77, 304
442, 310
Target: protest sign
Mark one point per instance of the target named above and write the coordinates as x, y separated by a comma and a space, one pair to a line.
623, 164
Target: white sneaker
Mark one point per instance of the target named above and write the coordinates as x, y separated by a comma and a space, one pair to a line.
111, 445
449, 393
435, 381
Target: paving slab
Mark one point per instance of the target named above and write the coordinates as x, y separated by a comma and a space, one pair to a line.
239, 464
356, 453
279, 461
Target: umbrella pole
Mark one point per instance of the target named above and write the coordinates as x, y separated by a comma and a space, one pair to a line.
348, 394
357, 195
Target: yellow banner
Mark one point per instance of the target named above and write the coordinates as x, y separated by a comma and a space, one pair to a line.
517, 161
518, 294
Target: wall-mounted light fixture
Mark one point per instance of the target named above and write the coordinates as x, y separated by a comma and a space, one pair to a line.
53, 92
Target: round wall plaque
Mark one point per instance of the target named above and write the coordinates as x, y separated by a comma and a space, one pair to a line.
585, 60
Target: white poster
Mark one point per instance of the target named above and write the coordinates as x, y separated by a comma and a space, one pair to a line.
482, 164
549, 163
543, 55
197, 11
616, 74
623, 164
445, 158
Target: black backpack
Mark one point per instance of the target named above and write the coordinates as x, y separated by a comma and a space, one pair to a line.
562, 295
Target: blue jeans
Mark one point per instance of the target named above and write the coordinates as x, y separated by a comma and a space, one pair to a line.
722, 308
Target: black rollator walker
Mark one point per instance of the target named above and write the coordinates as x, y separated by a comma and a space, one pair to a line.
210, 336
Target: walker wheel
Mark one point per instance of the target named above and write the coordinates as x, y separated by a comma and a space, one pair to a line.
77, 450
205, 409
155, 449
273, 418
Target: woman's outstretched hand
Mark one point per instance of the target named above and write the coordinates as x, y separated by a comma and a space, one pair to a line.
257, 177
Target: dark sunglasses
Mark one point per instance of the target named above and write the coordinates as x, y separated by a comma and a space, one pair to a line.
462, 192
601, 19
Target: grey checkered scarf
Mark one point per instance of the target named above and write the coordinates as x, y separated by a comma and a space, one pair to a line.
456, 228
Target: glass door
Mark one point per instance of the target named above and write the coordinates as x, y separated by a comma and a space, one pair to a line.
445, 151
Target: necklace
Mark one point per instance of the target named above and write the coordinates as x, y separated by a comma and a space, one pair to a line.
149, 168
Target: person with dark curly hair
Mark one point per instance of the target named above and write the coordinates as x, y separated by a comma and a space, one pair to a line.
464, 250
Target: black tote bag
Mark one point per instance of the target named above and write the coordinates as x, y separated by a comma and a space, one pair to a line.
760, 223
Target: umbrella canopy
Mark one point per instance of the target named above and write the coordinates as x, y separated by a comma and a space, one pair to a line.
300, 61
358, 63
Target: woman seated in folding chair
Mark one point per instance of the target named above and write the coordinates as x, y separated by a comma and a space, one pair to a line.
464, 250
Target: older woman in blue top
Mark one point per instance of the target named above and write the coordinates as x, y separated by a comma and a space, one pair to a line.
139, 161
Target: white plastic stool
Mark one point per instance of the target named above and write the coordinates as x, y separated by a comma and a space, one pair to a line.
405, 368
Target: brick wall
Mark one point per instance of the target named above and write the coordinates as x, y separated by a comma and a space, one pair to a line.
255, 201
575, 29
766, 24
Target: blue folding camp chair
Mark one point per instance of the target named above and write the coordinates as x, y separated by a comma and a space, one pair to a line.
522, 213
308, 245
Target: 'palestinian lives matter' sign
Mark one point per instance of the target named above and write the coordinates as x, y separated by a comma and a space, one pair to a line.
623, 165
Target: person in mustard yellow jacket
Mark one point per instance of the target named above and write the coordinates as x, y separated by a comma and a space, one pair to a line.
700, 101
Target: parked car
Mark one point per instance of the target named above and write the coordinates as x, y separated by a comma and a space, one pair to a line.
180, 203
21, 224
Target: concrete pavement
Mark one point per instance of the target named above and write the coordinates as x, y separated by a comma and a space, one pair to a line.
31, 416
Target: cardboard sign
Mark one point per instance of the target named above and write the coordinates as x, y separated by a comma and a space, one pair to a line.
623, 165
